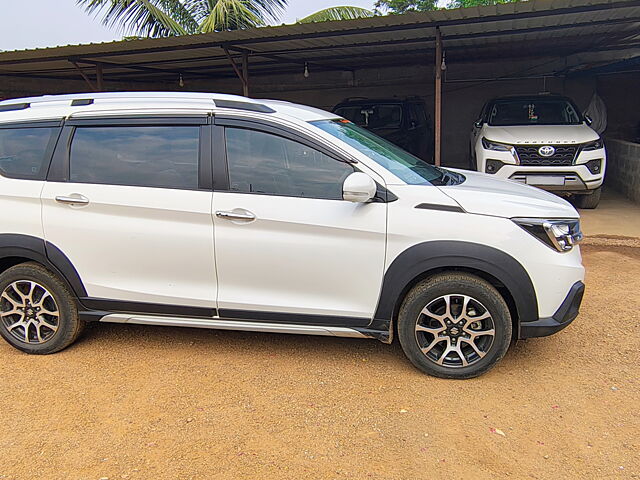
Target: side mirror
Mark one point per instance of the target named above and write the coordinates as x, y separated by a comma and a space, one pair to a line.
588, 120
478, 123
358, 187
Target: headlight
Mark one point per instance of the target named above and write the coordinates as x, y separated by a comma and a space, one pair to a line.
560, 235
595, 145
499, 147
495, 146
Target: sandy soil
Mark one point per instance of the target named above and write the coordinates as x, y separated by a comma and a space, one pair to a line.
166, 403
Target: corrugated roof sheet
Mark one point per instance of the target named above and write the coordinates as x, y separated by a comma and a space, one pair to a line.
534, 27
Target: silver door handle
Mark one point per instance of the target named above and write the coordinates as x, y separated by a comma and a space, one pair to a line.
74, 199
236, 215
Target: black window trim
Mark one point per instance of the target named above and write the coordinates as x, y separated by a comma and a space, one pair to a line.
139, 120
56, 127
60, 163
56, 122
282, 131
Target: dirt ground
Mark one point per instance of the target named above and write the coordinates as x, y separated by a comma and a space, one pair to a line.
134, 402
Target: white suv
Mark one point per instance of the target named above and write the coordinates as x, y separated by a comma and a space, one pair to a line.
216, 211
540, 140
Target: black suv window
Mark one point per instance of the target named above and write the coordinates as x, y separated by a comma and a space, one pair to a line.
373, 116
144, 156
263, 163
25, 152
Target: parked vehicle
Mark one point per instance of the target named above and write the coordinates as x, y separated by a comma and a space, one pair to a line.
404, 123
216, 211
540, 140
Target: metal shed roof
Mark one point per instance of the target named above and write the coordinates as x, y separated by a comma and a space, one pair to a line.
532, 28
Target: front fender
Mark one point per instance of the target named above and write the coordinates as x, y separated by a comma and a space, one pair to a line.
417, 261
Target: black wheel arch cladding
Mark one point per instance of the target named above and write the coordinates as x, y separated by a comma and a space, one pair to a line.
44, 253
420, 259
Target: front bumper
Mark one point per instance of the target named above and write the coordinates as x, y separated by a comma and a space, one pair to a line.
574, 178
566, 313
564, 181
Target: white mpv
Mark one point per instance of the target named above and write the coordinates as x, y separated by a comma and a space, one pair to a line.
216, 211
540, 140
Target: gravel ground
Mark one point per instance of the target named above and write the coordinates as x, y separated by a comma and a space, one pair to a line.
133, 402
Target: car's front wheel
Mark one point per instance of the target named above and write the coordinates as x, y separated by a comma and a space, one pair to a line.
454, 325
589, 201
38, 314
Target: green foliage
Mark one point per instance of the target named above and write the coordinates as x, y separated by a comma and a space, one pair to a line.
337, 13
404, 6
477, 3
164, 18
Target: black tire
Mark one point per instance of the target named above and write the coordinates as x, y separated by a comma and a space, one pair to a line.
589, 201
39, 336
483, 296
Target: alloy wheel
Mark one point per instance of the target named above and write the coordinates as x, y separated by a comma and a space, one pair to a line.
455, 331
29, 312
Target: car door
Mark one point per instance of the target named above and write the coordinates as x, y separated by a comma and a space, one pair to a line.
288, 247
128, 201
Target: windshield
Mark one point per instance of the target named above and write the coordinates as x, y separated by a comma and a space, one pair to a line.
549, 111
373, 116
403, 165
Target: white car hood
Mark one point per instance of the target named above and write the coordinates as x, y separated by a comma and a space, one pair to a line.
540, 134
483, 194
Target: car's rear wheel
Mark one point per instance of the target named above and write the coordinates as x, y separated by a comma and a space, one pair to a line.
589, 201
38, 314
454, 325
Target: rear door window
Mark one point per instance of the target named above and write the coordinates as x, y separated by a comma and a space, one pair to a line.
144, 156
25, 152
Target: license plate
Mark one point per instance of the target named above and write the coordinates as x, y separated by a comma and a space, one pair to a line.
544, 180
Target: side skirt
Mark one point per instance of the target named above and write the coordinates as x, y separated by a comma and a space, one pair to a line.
222, 324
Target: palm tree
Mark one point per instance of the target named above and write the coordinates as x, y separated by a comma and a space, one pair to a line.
337, 13
165, 18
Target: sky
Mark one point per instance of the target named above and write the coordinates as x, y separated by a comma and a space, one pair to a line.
49, 23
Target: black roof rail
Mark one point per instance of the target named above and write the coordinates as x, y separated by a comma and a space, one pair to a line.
14, 106
79, 102
252, 107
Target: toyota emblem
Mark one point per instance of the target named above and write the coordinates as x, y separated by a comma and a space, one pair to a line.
546, 151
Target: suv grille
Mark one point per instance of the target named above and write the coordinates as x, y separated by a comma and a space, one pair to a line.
529, 156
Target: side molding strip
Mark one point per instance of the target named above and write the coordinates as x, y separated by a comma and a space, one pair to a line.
219, 324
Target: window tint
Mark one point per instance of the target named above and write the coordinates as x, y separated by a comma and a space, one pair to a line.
165, 157
263, 163
533, 112
373, 116
23, 152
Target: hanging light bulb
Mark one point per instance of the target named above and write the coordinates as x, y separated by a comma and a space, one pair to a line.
443, 67
306, 70
181, 81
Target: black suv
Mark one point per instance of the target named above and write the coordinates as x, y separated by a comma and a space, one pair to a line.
402, 122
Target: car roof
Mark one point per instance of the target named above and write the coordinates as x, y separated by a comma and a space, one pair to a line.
58, 106
370, 101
